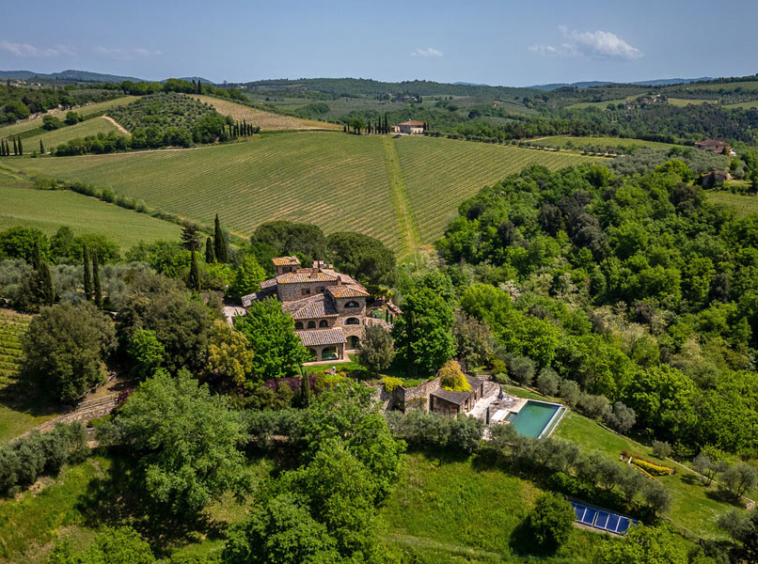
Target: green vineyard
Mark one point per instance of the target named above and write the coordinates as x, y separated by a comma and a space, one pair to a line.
339, 182
12, 326
441, 173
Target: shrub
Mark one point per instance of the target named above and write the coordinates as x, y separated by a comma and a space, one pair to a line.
662, 449
740, 478
521, 369
652, 468
551, 521
548, 382
328, 381
594, 406
620, 417
390, 384
570, 392
452, 378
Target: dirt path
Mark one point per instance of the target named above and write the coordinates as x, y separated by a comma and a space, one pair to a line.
120, 127
406, 223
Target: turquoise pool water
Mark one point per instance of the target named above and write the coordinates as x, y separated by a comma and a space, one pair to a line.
533, 418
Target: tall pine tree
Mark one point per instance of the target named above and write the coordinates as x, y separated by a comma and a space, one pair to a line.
20, 146
15, 147
219, 243
96, 281
191, 237
42, 289
87, 273
210, 253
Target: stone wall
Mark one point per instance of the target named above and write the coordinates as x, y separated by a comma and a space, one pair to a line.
416, 397
292, 292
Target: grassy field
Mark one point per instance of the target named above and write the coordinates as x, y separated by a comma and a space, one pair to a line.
88, 110
339, 182
441, 173
265, 120
577, 142
682, 102
47, 210
52, 139
460, 510
741, 204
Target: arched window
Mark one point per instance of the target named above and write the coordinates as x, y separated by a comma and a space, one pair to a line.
352, 321
298, 325
311, 325
353, 342
352, 303
323, 323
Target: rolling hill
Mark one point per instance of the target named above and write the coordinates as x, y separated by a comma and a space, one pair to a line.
339, 182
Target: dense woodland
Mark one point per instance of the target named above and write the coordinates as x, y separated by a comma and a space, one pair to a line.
19, 103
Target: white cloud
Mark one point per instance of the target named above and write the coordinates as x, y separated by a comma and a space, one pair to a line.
126, 54
26, 50
603, 44
428, 52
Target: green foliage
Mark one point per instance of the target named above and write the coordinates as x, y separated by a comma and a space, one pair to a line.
427, 430
18, 243
390, 384
423, 336
551, 521
230, 358
51, 122
362, 257
248, 278
271, 333
146, 352
288, 238
65, 349
160, 305
122, 545
643, 545
377, 349
186, 442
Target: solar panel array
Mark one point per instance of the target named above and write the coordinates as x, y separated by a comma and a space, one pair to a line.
601, 519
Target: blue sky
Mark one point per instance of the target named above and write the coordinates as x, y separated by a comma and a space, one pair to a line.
503, 43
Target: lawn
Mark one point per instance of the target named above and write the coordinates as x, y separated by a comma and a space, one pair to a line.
682, 102
52, 139
743, 105
264, 120
741, 204
464, 511
87, 110
23, 206
598, 105
694, 508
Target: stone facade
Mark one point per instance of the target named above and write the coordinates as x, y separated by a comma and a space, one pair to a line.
329, 303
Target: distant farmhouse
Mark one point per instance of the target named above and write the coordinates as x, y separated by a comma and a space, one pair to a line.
715, 178
409, 128
715, 146
329, 308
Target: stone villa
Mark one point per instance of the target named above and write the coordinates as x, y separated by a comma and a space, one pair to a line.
411, 127
329, 307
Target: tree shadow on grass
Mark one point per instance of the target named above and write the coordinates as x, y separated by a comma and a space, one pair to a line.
24, 398
119, 499
522, 542
722, 495
691, 479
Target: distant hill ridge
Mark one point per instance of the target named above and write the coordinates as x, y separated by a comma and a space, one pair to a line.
658, 82
83, 76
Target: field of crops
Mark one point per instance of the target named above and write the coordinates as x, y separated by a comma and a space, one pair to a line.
23, 206
743, 105
441, 173
265, 120
576, 142
741, 204
598, 105
88, 110
334, 180
339, 182
52, 139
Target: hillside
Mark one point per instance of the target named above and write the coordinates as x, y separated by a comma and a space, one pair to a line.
339, 182
267, 121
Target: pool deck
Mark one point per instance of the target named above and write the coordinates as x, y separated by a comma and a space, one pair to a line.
501, 409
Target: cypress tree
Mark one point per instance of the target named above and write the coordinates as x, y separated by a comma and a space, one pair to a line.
210, 254
96, 281
219, 243
20, 147
15, 147
305, 391
41, 148
48, 290
42, 282
193, 280
87, 273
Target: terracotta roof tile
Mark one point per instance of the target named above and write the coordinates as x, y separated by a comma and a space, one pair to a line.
318, 337
308, 276
285, 261
349, 291
311, 308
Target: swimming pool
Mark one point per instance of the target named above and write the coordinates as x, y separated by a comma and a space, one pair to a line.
534, 418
